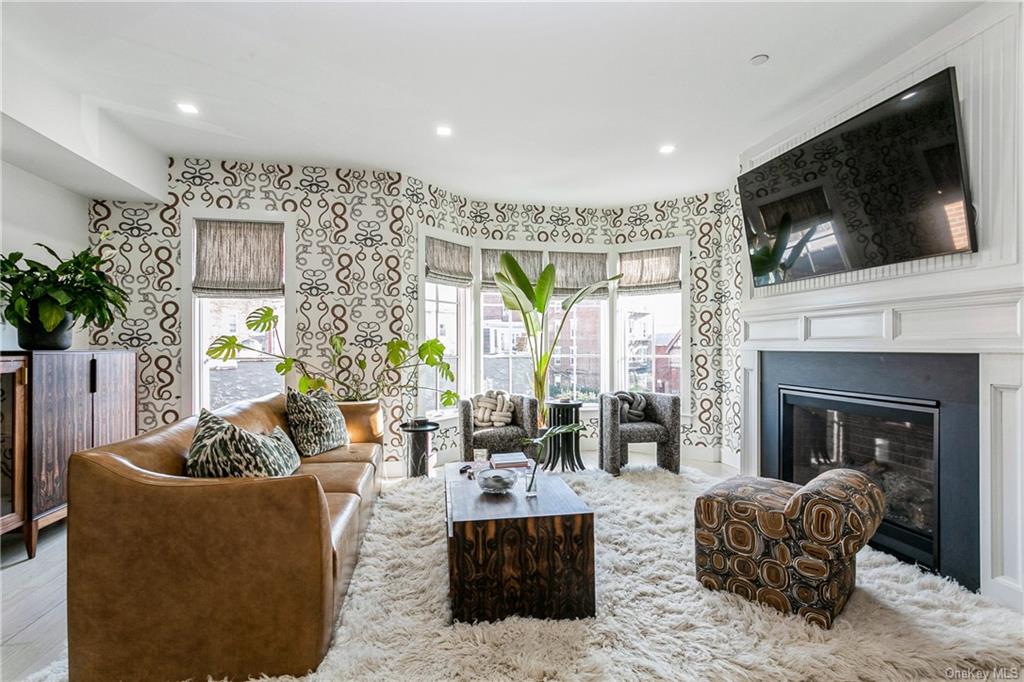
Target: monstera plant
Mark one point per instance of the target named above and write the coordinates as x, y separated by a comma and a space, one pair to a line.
348, 378
531, 301
44, 302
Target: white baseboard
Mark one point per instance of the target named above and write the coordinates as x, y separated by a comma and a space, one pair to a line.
730, 457
700, 453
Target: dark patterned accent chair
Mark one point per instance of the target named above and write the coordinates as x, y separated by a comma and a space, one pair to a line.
661, 425
793, 548
498, 438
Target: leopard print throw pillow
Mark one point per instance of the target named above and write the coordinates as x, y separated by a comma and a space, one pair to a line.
316, 423
222, 450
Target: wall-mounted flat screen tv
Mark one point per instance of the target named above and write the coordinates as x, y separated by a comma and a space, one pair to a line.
886, 186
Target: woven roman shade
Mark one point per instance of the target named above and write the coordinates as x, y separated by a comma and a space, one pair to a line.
490, 262
651, 270
575, 270
239, 259
449, 263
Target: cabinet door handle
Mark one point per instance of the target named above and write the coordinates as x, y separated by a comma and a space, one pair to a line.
92, 375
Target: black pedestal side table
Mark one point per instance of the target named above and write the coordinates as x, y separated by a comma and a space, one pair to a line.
564, 449
417, 459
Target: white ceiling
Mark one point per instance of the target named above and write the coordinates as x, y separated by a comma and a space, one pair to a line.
550, 103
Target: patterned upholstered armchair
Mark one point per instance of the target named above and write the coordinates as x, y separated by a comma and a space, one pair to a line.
661, 424
793, 548
498, 438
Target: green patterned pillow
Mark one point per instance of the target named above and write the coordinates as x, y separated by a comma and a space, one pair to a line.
220, 450
316, 423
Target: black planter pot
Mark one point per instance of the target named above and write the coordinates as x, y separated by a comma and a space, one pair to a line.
32, 335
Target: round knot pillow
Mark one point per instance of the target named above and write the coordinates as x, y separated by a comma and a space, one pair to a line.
493, 408
631, 406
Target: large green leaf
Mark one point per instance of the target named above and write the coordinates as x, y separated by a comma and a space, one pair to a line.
512, 296
431, 352
545, 287
51, 313
224, 347
445, 370
337, 343
509, 267
262, 319
60, 296
397, 351
284, 366
449, 398
567, 304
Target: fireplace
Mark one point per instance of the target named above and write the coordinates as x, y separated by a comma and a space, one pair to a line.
909, 421
892, 440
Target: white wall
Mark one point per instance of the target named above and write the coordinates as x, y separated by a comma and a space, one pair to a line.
34, 210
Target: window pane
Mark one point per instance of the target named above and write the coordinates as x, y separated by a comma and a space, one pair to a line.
576, 364
639, 374
447, 329
447, 293
522, 376
652, 341
496, 373
667, 372
251, 374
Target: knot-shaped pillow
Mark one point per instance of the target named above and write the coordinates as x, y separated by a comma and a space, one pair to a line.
493, 408
631, 406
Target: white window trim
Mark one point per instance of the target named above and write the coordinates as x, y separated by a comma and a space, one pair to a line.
191, 353
471, 366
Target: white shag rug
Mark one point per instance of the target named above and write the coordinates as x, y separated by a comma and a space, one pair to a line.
654, 622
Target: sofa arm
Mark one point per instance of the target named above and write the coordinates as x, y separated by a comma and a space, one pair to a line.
838, 512
174, 578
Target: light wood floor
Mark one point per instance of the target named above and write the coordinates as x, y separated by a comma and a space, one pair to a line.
33, 605
33, 608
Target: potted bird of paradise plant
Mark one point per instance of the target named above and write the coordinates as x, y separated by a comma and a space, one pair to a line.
531, 300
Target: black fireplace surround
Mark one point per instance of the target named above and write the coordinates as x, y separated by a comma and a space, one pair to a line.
907, 420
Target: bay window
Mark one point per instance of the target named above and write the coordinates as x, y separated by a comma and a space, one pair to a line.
633, 335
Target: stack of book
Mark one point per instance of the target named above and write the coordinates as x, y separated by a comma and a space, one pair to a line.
510, 460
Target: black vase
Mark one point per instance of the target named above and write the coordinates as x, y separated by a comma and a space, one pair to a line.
33, 336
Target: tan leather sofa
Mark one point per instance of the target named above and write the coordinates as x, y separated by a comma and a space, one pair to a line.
171, 578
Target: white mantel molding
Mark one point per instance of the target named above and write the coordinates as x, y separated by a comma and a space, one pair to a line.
985, 322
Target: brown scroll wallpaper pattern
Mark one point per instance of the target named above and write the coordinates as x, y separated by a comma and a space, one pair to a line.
355, 254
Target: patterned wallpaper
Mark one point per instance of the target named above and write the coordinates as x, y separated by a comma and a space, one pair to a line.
355, 255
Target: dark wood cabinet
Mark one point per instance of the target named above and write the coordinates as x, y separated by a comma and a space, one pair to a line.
13, 443
76, 400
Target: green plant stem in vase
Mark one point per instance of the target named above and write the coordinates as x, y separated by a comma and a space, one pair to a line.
530, 300
541, 442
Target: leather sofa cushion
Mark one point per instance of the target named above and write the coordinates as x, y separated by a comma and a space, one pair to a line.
366, 453
343, 509
347, 477
341, 477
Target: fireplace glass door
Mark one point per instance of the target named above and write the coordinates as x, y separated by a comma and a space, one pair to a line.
893, 441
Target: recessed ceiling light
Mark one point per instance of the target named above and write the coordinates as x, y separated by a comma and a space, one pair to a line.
187, 108
759, 59
908, 96
444, 131
667, 148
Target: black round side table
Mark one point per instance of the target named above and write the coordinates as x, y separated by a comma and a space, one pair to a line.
417, 459
563, 449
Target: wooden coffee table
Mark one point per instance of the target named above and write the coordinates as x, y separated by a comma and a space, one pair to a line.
509, 555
